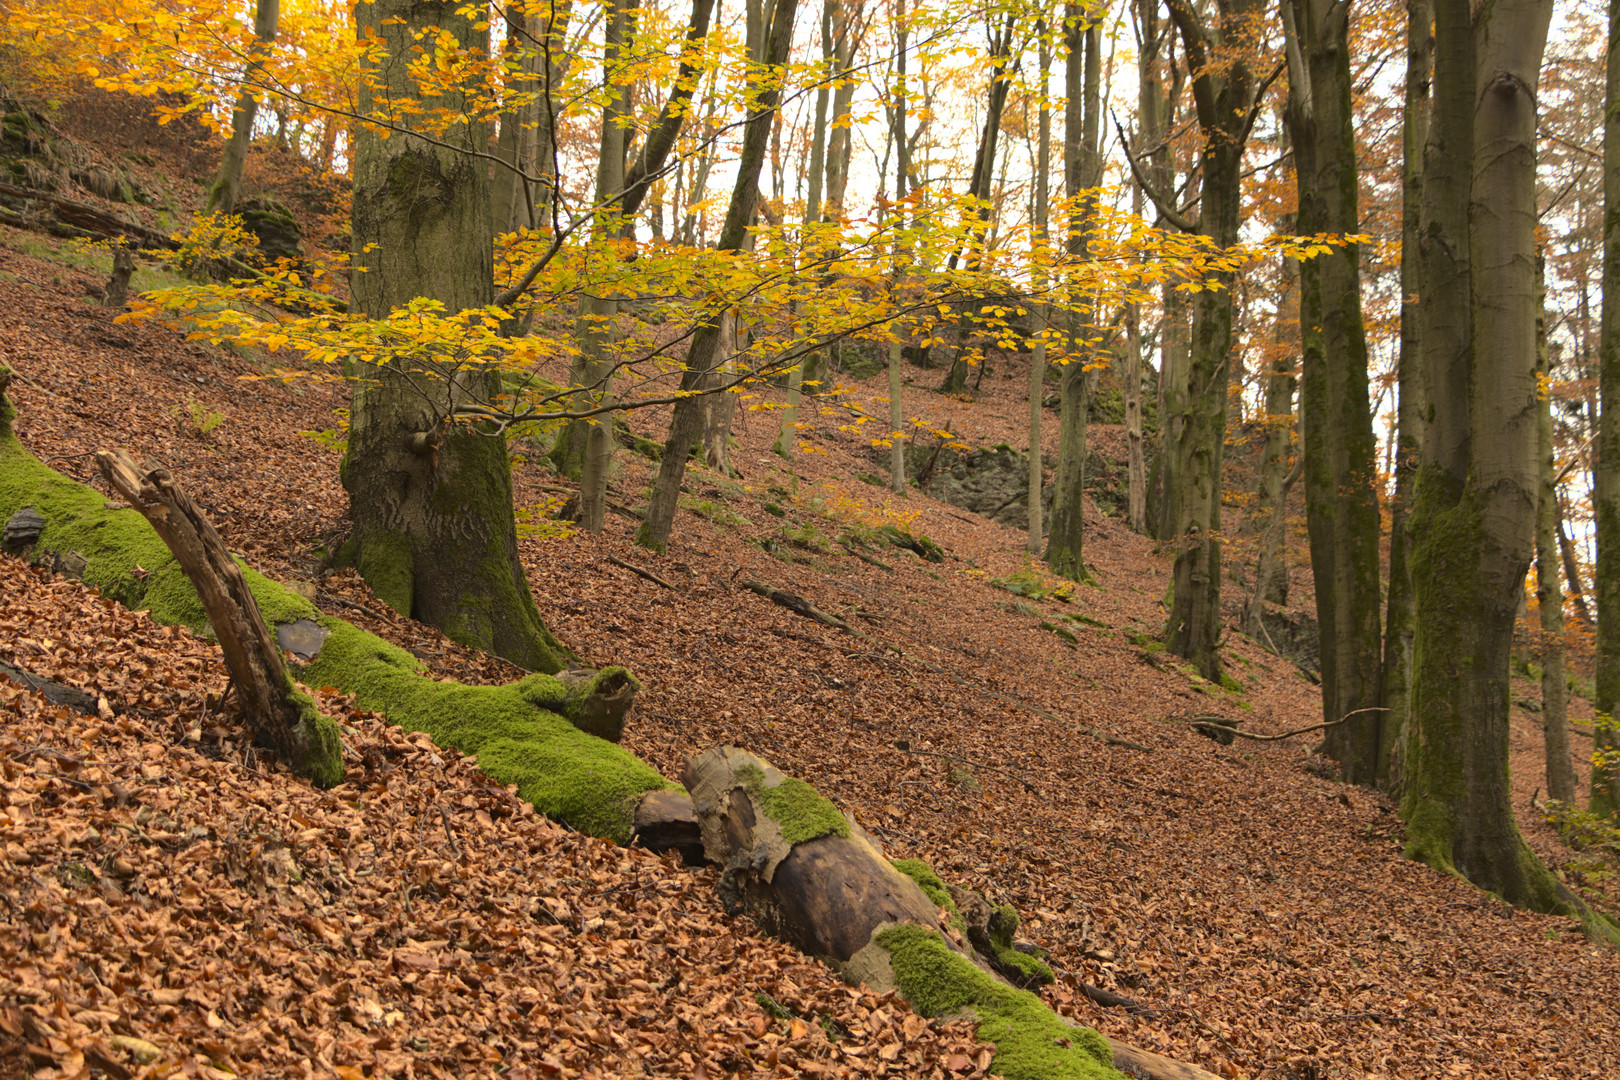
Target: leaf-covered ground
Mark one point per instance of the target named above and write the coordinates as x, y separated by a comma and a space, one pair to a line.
160, 881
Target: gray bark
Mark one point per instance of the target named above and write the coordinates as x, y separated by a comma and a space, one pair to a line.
430, 498
227, 187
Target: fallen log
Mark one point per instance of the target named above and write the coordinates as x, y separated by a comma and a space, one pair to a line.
90, 220
809, 874
70, 697
528, 733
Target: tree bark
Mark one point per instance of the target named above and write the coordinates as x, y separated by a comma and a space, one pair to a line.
897, 422
1042, 241
585, 447
1606, 496
1082, 164
227, 186
1342, 514
1549, 594
687, 422
1224, 93
524, 191
1474, 511
283, 719
1399, 618
434, 533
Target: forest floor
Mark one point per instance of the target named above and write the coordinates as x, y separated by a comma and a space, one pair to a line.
161, 882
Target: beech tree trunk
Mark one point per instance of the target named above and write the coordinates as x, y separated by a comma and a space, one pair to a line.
1342, 514
1474, 512
227, 186
524, 193
430, 498
284, 720
1224, 92
687, 422
1037, 366
585, 447
1082, 164
897, 422
1399, 621
1549, 593
1606, 497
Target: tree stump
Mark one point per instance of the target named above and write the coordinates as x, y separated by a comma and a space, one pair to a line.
284, 721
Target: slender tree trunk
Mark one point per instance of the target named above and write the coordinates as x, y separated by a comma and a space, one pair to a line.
1549, 595
1573, 586
1342, 514
1473, 515
524, 192
431, 498
227, 187
1399, 624
897, 419
1081, 172
846, 15
817, 169
1271, 496
688, 418
1224, 93
1606, 493
588, 444
1042, 241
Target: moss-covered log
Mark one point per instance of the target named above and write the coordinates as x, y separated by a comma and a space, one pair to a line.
527, 733
808, 874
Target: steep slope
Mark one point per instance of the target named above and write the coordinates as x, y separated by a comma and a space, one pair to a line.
1259, 915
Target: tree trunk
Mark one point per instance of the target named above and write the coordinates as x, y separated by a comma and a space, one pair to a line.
1549, 595
1606, 494
1342, 514
1081, 172
687, 422
1224, 92
817, 169
848, 31
227, 186
585, 447
284, 720
1268, 522
430, 499
1041, 245
1474, 508
526, 144
897, 422
1400, 615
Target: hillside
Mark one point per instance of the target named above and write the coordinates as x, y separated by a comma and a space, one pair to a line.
162, 882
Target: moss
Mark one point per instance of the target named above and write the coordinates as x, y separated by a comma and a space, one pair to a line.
592, 784
798, 809
386, 562
588, 782
1032, 1042
319, 746
928, 881
1031, 969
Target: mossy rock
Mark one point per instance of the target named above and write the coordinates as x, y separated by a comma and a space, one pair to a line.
272, 222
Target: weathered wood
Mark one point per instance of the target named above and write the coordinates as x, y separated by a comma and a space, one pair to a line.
665, 821
1145, 1065
58, 693
792, 861
283, 720
796, 604
89, 219
639, 572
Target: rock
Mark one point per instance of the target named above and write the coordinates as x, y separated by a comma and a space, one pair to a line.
269, 219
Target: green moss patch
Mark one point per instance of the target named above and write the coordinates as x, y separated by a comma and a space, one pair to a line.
515, 730
1032, 1042
588, 782
798, 809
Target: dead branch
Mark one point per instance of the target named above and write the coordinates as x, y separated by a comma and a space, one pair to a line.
638, 571
1226, 724
797, 604
905, 748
